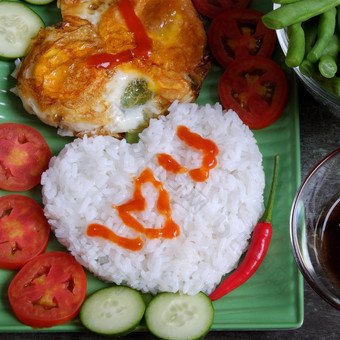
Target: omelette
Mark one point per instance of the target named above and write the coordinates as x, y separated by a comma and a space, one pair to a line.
111, 65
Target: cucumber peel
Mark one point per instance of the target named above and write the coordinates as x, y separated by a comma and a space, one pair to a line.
179, 317
39, 2
18, 25
113, 311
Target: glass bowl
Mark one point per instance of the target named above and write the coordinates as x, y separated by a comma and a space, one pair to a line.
320, 93
314, 237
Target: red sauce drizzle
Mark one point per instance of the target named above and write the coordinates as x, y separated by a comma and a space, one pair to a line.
206, 146
143, 41
170, 164
138, 203
106, 60
98, 230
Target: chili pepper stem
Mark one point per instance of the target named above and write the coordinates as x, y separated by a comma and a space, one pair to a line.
268, 213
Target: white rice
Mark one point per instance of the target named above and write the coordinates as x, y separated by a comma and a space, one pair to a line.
216, 217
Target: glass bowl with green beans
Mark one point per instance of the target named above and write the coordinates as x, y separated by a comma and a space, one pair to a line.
314, 228
308, 32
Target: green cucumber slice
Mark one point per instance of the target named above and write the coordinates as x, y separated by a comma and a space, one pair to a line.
179, 317
113, 311
39, 2
18, 25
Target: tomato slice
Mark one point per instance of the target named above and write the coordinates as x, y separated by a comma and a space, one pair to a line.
256, 88
48, 290
240, 33
212, 8
24, 156
24, 231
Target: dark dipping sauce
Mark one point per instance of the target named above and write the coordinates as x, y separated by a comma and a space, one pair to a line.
328, 241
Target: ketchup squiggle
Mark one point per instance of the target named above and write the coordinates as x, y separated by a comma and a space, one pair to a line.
138, 204
143, 41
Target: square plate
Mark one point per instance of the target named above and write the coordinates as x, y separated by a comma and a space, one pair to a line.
273, 297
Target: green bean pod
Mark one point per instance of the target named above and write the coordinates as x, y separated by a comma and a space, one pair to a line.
332, 85
333, 48
296, 45
307, 68
335, 84
295, 12
328, 61
326, 29
327, 66
310, 28
338, 18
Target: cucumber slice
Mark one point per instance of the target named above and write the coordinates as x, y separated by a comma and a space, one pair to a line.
113, 311
18, 25
39, 2
179, 317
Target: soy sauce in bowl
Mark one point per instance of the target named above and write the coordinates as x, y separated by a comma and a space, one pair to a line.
328, 241
315, 228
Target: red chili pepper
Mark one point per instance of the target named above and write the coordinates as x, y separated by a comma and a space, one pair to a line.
257, 250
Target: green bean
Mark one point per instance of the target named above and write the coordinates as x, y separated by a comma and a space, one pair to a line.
307, 68
295, 12
335, 85
326, 29
333, 48
310, 28
327, 66
328, 62
296, 45
338, 18
332, 85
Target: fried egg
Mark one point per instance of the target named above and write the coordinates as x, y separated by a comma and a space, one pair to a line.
56, 82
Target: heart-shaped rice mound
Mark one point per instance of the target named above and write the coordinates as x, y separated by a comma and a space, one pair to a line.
91, 176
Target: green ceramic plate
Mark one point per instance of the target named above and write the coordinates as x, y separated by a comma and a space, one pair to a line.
273, 297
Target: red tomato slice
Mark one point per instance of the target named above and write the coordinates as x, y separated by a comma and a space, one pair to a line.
24, 231
256, 89
48, 290
240, 33
24, 156
212, 8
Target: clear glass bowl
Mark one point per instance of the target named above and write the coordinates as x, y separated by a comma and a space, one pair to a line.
324, 97
319, 191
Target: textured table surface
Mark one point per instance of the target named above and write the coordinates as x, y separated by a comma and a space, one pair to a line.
320, 134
